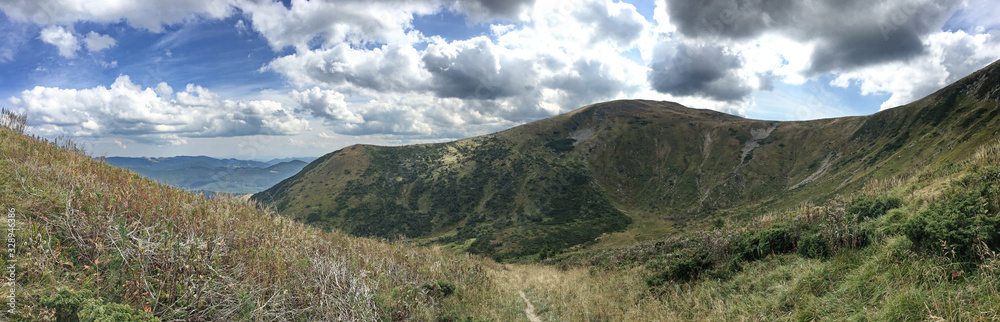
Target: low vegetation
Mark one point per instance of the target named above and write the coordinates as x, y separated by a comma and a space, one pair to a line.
95, 240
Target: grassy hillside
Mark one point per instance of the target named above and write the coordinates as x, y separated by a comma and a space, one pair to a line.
94, 240
621, 172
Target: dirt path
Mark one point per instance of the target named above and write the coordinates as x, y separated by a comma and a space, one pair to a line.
529, 309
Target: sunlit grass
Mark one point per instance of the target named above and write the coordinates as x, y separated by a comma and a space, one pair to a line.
85, 225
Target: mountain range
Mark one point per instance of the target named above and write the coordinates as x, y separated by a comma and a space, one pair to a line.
622, 172
211, 175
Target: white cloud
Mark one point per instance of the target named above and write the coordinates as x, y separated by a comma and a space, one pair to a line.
326, 104
164, 90
62, 39
126, 109
241, 27
951, 56
97, 42
362, 68
387, 68
334, 22
149, 15
566, 55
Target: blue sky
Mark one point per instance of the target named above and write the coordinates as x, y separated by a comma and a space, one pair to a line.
234, 78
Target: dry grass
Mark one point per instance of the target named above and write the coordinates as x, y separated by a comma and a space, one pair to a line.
86, 225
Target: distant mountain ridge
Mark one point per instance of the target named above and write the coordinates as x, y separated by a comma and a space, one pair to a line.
627, 170
206, 174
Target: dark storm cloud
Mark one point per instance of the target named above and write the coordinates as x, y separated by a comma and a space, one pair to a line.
706, 70
848, 33
729, 18
479, 10
861, 49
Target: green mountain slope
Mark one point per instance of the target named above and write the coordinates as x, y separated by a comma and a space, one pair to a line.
626, 171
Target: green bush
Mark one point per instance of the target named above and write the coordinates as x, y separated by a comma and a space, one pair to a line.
439, 290
83, 306
777, 239
866, 207
685, 268
955, 224
447, 288
561, 145
98, 311
814, 245
66, 303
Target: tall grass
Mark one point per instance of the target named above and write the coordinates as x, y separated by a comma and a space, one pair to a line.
82, 224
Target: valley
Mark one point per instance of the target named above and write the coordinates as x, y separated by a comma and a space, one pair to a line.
210, 175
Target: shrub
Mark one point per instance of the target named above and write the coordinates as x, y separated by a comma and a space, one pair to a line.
447, 288
955, 225
561, 145
440, 290
866, 207
814, 245
776, 239
66, 303
685, 268
98, 311
83, 306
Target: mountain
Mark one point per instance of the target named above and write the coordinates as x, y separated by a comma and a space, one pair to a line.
627, 170
211, 175
280, 160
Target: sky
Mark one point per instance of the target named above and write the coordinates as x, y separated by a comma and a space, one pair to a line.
256, 79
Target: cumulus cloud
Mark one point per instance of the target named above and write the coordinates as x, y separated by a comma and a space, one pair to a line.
326, 104
703, 70
389, 117
848, 34
461, 87
62, 39
617, 22
951, 56
587, 81
97, 42
149, 15
386, 68
68, 43
363, 68
353, 21
126, 109
488, 10
475, 69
